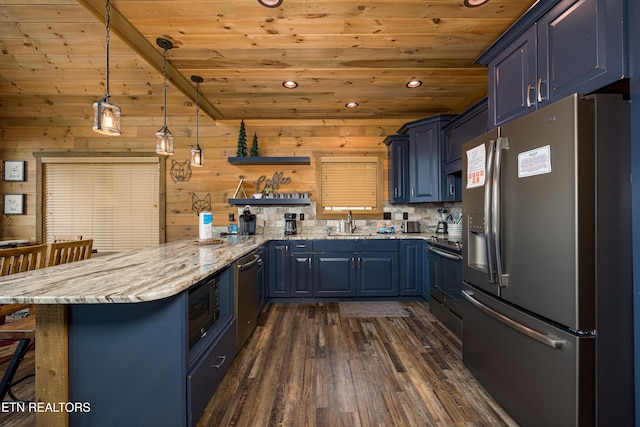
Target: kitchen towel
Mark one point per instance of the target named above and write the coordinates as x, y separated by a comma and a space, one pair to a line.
205, 230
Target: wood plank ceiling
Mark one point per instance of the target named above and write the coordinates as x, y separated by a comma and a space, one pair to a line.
337, 51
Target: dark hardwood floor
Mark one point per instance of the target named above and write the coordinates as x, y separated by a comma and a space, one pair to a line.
306, 365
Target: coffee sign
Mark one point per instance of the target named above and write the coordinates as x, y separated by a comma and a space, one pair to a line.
264, 185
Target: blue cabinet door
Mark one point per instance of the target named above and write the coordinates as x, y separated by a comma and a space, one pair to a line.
398, 152
334, 274
513, 79
581, 45
411, 259
301, 278
279, 286
424, 163
377, 274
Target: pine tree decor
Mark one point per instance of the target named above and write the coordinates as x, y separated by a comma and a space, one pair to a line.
242, 141
255, 152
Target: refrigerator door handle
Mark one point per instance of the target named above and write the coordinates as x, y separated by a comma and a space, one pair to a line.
501, 144
538, 336
488, 227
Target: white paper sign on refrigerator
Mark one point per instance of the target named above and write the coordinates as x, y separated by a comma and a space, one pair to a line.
476, 166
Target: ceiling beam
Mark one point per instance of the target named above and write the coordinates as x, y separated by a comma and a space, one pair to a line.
131, 36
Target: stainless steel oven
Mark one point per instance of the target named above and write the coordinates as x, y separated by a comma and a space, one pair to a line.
445, 270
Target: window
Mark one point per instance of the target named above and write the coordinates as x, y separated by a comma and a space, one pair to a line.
349, 183
113, 200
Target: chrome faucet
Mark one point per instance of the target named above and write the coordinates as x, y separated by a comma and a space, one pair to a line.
351, 226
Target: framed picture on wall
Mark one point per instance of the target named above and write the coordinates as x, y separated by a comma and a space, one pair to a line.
13, 204
13, 170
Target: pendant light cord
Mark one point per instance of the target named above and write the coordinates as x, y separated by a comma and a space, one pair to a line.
164, 73
197, 109
107, 22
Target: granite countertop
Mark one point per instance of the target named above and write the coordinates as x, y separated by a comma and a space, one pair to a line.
142, 275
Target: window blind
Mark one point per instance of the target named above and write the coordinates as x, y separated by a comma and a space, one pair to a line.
349, 184
114, 201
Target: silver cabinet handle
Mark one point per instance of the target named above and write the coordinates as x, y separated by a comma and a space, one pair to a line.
529, 87
538, 336
222, 360
452, 189
539, 89
413, 192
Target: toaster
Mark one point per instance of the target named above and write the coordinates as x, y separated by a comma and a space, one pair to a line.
411, 226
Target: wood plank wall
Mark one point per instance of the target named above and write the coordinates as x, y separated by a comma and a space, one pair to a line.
31, 124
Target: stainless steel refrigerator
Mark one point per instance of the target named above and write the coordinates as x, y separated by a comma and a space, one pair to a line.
547, 304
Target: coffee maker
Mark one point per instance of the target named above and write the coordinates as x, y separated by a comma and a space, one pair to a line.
247, 222
442, 224
290, 226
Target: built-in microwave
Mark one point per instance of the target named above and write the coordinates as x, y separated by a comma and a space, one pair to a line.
204, 308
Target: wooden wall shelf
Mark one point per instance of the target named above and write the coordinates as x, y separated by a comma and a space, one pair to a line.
268, 202
269, 160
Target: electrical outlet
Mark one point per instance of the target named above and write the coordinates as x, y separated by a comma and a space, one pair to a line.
387, 215
301, 217
405, 215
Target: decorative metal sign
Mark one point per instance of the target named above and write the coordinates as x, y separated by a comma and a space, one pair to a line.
264, 185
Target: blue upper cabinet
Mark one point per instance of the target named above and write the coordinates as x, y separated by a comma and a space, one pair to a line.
556, 49
424, 157
398, 153
465, 127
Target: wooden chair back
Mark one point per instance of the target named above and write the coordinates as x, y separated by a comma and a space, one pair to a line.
26, 258
65, 252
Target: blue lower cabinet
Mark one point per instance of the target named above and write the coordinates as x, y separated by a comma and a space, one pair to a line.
204, 378
377, 274
301, 275
412, 254
279, 271
334, 274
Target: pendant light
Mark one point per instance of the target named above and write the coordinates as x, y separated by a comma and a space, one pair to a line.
106, 113
197, 156
164, 138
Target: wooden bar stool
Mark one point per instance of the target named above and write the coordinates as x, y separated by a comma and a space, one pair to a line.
12, 261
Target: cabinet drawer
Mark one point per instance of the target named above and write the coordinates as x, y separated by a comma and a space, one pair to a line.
334, 245
204, 378
301, 245
376, 245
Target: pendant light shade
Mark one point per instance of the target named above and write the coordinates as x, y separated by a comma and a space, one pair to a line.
164, 137
197, 156
106, 113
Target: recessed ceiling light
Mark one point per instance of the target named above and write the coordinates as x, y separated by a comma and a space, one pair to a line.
270, 3
475, 3
290, 84
351, 104
414, 83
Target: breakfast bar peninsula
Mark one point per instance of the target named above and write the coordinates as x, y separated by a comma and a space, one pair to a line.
112, 343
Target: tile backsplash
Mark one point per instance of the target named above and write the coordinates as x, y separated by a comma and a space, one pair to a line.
271, 218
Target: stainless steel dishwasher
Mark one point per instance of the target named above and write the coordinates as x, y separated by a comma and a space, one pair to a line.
246, 295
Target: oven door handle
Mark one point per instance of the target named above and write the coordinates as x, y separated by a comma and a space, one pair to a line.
256, 258
445, 254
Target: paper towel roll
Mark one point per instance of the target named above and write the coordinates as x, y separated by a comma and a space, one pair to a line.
205, 231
